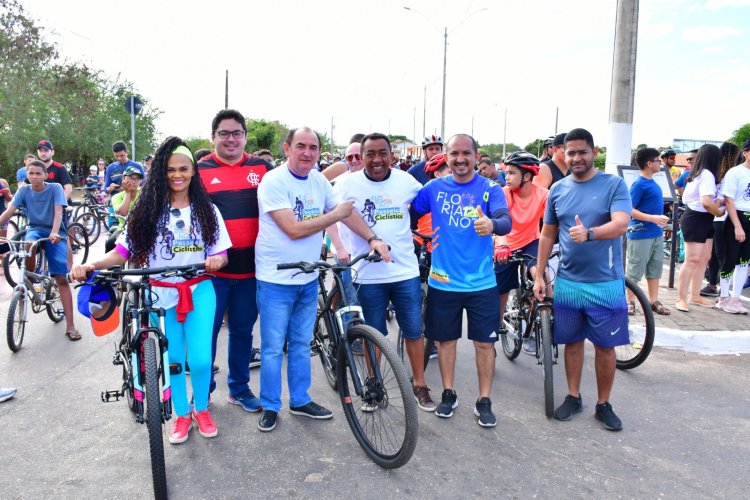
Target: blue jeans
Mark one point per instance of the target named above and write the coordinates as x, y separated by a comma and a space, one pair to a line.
406, 296
287, 313
237, 297
351, 291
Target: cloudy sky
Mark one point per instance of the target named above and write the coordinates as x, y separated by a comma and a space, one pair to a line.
365, 64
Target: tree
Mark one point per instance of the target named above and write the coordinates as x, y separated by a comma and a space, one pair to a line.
196, 143
262, 134
741, 135
496, 150
536, 147
394, 138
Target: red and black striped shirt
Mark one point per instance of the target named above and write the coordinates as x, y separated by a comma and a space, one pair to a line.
234, 191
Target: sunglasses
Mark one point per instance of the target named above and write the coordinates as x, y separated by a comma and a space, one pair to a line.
353, 157
180, 223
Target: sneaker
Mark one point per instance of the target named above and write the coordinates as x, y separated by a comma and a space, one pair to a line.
267, 421
180, 430
727, 305
448, 404
6, 393
433, 352
248, 401
606, 415
205, 424
311, 410
739, 305
483, 410
529, 346
571, 405
254, 358
424, 401
709, 291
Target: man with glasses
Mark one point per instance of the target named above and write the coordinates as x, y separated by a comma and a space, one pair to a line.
352, 160
231, 177
681, 182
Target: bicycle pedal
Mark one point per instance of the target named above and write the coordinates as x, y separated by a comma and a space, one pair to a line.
117, 359
110, 396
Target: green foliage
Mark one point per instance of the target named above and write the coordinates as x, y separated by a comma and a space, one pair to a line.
600, 160
496, 150
79, 109
196, 143
262, 134
741, 135
535, 147
394, 138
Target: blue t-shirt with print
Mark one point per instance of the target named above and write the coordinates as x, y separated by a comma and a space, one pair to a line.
40, 205
646, 196
113, 174
593, 201
681, 181
461, 259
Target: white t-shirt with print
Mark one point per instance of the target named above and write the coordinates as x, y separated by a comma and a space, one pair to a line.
176, 247
384, 206
736, 185
703, 185
308, 198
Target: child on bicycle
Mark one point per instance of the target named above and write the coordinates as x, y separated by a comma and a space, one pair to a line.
44, 204
174, 223
526, 202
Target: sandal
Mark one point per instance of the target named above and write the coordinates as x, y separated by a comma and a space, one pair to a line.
701, 302
681, 306
73, 335
659, 308
631, 308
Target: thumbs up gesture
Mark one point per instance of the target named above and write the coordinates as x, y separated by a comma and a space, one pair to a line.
483, 225
579, 233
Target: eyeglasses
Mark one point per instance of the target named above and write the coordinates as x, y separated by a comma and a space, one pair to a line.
224, 134
353, 157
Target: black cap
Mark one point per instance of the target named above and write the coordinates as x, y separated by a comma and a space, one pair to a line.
746, 146
559, 140
44, 144
549, 141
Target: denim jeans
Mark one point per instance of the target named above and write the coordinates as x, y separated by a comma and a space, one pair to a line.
351, 290
237, 297
406, 296
287, 313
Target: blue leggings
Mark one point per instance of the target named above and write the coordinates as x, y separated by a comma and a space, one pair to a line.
194, 335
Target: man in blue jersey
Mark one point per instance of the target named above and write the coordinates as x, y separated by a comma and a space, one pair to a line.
467, 210
590, 212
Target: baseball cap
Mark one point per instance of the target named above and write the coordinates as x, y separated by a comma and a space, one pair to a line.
44, 144
549, 141
99, 303
746, 146
559, 140
148, 157
668, 152
132, 170
93, 168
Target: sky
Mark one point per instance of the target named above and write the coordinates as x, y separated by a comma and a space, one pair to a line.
364, 66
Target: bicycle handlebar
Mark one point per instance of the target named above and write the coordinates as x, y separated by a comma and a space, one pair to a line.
310, 267
116, 274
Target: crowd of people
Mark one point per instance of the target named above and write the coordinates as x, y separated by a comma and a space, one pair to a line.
243, 214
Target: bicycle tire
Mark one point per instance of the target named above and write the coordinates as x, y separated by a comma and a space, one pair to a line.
325, 344
53, 301
641, 336
388, 435
16, 323
510, 333
154, 420
11, 269
127, 369
545, 340
89, 221
79, 242
12, 230
428, 344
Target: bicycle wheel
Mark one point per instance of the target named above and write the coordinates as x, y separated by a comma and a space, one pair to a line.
12, 230
511, 331
54, 304
545, 353
325, 344
384, 417
11, 261
16, 322
641, 331
154, 419
89, 221
127, 369
79, 242
429, 345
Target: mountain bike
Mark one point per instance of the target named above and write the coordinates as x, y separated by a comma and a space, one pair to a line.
374, 387
143, 355
35, 288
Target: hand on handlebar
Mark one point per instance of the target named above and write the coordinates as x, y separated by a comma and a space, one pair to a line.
502, 253
540, 287
382, 248
215, 262
81, 272
55, 238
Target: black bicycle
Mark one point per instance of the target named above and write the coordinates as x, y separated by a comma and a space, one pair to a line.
374, 387
142, 352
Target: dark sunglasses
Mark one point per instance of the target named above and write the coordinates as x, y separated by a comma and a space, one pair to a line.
180, 223
353, 157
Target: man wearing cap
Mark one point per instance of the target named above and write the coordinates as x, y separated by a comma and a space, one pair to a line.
56, 172
554, 169
431, 145
548, 148
113, 176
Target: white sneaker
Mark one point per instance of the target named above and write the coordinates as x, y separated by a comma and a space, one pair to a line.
741, 309
726, 304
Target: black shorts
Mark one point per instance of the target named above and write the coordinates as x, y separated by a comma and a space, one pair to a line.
444, 315
735, 252
697, 227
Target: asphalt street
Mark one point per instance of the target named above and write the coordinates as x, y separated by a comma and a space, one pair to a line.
686, 434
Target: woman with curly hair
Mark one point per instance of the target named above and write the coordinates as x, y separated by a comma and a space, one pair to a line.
174, 223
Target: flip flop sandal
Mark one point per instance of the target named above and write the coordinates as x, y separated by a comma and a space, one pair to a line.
73, 335
631, 308
659, 308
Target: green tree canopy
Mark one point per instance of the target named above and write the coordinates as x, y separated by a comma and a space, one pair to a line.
741, 135
496, 150
262, 134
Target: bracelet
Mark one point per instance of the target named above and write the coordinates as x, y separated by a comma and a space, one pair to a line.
374, 237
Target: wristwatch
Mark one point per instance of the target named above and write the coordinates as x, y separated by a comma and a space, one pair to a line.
591, 235
374, 237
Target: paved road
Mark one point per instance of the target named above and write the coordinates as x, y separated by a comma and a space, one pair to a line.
686, 434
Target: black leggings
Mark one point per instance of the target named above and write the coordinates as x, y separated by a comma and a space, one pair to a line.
735, 252
717, 255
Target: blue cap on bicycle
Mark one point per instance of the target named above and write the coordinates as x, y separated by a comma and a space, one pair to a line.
98, 302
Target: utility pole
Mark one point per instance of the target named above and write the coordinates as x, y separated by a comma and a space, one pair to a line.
472, 125
226, 90
332, 127
557, 115
445, 67
414, 127
622, 92
424, 113
505, 128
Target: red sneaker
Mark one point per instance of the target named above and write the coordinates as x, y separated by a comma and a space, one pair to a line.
180, 430
205, 424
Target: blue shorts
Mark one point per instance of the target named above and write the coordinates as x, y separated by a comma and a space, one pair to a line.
506, 275
444, 315
57, 254
406, 296
594, 311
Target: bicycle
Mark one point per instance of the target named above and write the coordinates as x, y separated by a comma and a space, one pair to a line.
92, 215
526, 316
143, 354
35, 287
374, 388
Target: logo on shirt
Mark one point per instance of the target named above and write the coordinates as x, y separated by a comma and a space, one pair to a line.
253, 179
746, 196
176, 241
215, 180
461, 209
380, 208
303, 213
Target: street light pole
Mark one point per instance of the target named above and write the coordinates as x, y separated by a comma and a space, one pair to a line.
445, 65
